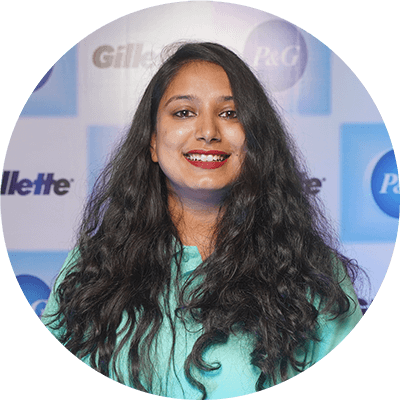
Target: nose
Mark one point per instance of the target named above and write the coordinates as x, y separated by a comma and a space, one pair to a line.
207, 129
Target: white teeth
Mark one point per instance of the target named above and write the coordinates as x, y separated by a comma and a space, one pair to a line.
205, 157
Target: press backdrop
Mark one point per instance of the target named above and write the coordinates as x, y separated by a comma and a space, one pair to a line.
85, 102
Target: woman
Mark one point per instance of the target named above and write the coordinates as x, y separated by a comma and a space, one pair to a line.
203, 268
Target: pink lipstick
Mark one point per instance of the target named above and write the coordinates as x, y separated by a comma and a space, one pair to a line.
207, 159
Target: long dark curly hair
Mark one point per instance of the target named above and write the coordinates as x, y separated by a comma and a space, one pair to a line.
274, 256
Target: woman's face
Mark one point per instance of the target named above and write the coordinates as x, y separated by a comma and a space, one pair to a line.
199, 142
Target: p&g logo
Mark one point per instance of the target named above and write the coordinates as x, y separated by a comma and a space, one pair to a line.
44, 79
385, 185
35, 291
278, 51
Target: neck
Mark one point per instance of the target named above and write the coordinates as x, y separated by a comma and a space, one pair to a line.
195, 216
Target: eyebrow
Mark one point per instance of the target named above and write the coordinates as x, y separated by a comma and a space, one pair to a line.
189, 97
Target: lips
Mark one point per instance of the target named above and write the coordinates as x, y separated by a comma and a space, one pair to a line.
207, 159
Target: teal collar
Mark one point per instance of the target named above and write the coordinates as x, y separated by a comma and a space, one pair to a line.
191, 259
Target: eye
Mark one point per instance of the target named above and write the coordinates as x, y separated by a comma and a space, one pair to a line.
184, 114
230, 114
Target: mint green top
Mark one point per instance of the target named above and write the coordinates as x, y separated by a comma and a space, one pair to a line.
236, 376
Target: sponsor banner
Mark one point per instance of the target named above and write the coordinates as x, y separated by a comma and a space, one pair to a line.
370, 197
46, 188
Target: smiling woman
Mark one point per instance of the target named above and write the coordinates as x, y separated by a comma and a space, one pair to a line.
203, 268
199, 144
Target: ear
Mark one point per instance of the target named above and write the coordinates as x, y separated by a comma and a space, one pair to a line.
153, 148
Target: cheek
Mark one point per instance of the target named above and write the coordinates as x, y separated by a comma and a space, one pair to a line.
235, 136
238, 143
239, 155
167, 152
170, 141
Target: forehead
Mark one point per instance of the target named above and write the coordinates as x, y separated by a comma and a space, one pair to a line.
200, 78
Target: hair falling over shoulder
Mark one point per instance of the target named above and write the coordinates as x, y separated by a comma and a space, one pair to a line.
275, 262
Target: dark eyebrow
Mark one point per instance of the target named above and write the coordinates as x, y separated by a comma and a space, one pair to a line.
193, 98
225, 98
180, 97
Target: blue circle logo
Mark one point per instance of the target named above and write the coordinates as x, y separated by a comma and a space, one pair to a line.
385, 185
35, 291
44, 79
278, 51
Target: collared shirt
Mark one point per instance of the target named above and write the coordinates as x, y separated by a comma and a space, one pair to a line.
236, 375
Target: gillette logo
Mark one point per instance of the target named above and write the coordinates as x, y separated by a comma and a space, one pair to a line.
43, 184
130, 55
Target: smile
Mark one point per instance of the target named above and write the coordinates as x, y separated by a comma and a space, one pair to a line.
211, 159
